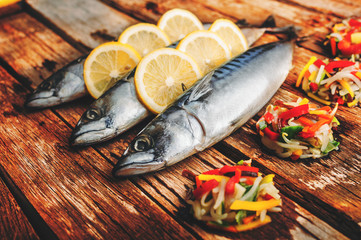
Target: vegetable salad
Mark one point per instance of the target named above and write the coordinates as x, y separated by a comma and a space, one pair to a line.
332, 81
298, 129
345, 38
234, 198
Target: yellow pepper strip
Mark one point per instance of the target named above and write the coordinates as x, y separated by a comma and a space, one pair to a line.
337, 26
318, 112
311, 95
345, 84
206, 177
358, 74
242, 227
335, 120
313, 76
299, 79
268, 178
255, 206
353, 103
304, 101
356, 37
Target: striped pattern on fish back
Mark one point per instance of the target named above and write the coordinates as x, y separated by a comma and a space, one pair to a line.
241, 60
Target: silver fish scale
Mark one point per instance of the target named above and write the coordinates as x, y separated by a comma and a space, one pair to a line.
237, 90
209, 111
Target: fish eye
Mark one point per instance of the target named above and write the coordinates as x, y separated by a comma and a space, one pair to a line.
142, 143
92, 114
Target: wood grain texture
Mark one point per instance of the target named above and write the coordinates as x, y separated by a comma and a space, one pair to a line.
72, 191
31, 48
87, 21
14, 224
340, 8
151, 11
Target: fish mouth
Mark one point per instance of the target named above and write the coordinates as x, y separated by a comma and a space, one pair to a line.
126, 167
42, 100
82, 138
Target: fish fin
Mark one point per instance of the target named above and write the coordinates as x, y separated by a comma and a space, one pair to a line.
270, 22
202, 88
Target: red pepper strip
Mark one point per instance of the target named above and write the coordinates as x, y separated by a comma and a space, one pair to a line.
333, 46
250, 180
340, 101
212, 172
326, 108
347, 49
356, 74
354, 23
308, 132
204, 188
318, 124
313, 86
294, 112
226, 169
338, 64
232, 182
305, 134
271, 134
267, 197
248, 168
248, 219
318, 63
326, 116
295, 157
268, 117
305, 121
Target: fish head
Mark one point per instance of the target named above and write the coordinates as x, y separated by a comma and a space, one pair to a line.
95, 125
163, 142
64, 85
46, 93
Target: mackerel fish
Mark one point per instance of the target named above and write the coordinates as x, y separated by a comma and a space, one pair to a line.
210, 110
67, 84
119, 109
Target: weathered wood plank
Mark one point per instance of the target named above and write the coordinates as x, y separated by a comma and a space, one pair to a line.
284, 13
40, 53
89, 22
255, 12
339, 8
161, 183
72, 191
14, 224
151, 11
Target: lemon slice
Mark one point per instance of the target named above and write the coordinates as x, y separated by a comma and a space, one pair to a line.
106, 64
207, 48
144, 37
177, 23
231, 34
163, 75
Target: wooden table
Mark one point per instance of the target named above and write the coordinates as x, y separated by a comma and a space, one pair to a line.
50, 190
